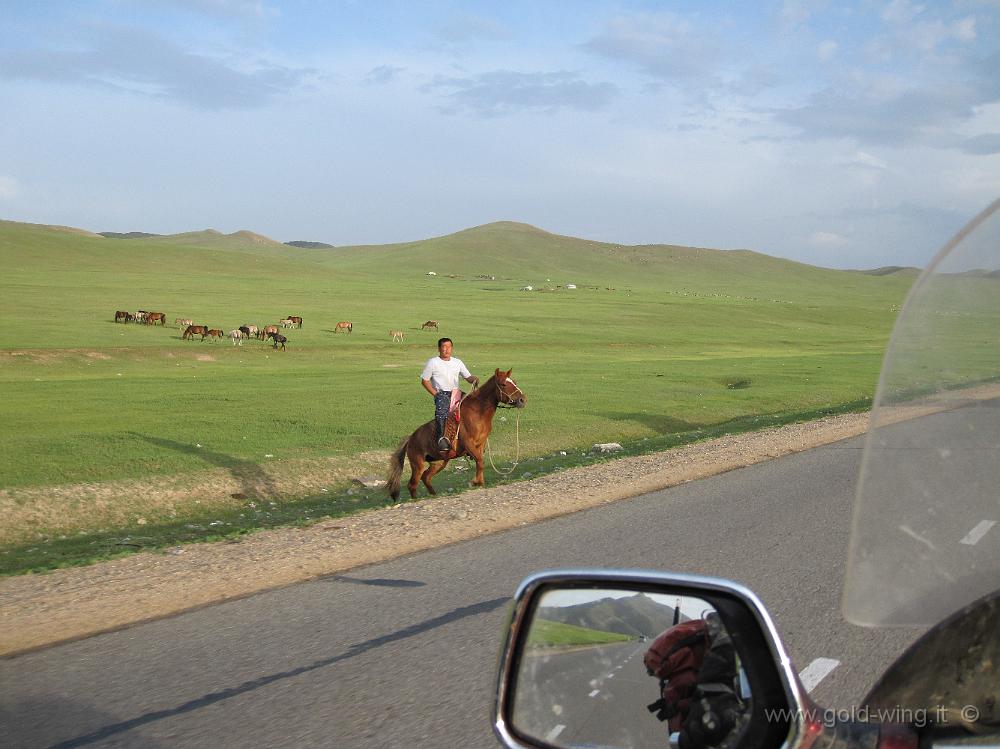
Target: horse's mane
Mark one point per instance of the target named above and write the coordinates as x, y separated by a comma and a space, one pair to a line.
482, 390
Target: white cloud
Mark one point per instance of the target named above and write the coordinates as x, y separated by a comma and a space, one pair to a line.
982, 145
965, 29
868, 161
901, 11
503, 92
827, 239
382, 74
827, 51
799, 12
250, 9
664, 46
475, 28
9, 188
133, 60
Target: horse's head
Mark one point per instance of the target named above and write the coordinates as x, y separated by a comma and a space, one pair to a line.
508, 393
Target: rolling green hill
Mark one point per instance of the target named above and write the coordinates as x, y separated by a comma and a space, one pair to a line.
547, 634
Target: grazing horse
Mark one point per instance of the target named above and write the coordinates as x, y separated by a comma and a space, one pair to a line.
214, 333
193, 330
295, 320
278, 338
286, 323
243, 330
343, 325
237, 337
430, 324
183, 322
397, 335
476, 423
265, 332
121, 316
156, 317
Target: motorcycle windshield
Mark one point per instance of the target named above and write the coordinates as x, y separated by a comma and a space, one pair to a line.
925, 539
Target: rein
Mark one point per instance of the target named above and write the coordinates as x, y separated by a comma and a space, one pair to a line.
517, 449
517, 429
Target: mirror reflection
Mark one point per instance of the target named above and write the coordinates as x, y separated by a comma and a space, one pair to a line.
623, 669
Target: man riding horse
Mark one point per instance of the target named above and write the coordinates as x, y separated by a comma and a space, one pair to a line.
440, 378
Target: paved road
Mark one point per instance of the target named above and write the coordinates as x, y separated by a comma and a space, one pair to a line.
403, 654
600, 693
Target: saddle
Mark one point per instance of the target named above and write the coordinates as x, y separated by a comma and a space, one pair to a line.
452, 424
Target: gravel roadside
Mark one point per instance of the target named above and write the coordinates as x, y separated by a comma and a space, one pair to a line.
43, 609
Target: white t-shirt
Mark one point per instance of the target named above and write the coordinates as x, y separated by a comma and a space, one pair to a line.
444, 374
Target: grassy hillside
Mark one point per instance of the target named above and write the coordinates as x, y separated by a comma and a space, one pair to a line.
546, 634
657, 345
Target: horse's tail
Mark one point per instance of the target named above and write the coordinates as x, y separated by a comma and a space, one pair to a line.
396, 468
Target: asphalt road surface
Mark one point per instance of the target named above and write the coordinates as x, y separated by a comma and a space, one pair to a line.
403, 654
599, 695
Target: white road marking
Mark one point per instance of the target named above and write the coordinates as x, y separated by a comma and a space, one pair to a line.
551, 735
816, 671
976, 534
913, 534
595, 692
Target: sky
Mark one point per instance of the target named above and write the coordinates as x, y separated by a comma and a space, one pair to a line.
842, 134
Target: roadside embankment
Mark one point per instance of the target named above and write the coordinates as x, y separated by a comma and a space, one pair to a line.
42, 609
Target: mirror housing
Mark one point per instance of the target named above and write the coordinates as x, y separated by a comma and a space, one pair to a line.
778, 705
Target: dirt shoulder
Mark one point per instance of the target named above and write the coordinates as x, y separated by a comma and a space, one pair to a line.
43, 609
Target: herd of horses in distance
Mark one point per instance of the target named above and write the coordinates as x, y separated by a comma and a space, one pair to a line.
244, 332
474, 415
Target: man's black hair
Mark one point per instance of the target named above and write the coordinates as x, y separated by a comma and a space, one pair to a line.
445, 340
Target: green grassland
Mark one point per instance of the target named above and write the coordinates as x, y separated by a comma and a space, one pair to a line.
546, 634
658, 345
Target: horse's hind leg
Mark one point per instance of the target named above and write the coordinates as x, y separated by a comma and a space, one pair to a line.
417, 466
431, 472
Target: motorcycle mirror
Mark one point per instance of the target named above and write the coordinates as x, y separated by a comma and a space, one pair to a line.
626, 660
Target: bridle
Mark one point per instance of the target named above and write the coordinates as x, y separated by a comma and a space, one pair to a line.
511, 401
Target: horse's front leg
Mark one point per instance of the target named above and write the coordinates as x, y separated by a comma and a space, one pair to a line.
477, 455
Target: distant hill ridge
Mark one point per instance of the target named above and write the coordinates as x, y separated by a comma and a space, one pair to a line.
890, 270
516, 246
310, 245
50, 227
633, 616
127, 235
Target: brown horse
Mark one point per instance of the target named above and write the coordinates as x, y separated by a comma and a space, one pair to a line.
478, 409
192, 330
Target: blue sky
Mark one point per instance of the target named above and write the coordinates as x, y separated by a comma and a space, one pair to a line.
849, 135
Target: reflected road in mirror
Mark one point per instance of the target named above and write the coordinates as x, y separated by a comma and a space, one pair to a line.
626, 669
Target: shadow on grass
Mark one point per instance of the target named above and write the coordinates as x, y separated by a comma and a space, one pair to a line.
659, 423
254, 482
